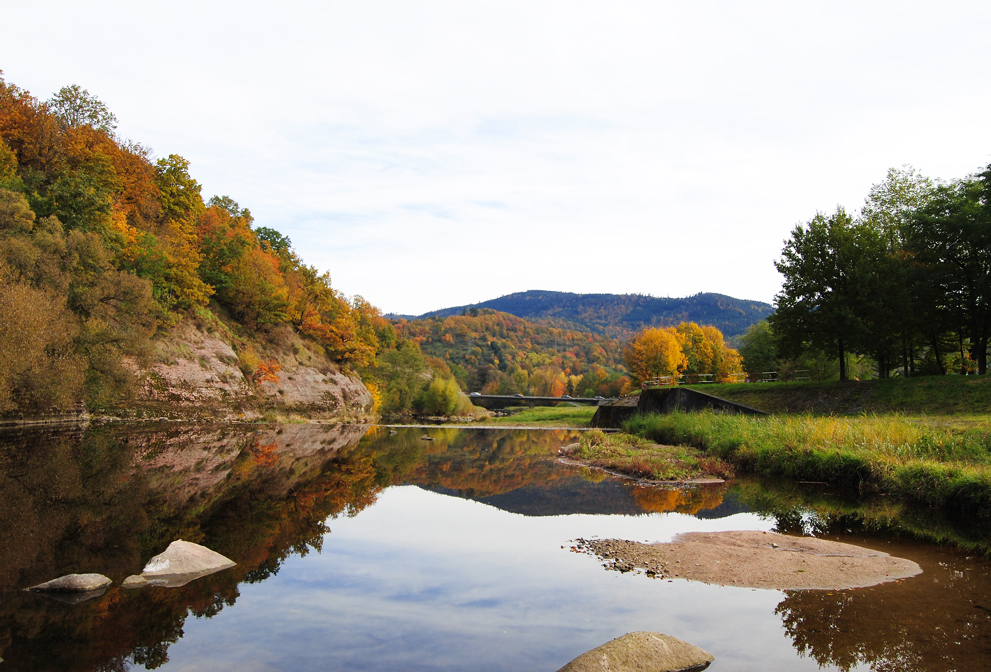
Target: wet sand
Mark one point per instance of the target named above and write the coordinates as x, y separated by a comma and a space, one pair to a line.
754, 559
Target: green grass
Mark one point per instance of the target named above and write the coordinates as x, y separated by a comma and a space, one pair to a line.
920, 460
552, 416
925, 395
640, 458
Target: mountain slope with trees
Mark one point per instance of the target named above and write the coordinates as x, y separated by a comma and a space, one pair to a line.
499, 353
623, 315
104, 251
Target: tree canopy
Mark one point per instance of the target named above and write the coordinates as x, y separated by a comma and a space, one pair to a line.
907, 282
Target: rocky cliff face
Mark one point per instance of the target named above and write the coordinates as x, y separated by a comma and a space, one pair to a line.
204, 372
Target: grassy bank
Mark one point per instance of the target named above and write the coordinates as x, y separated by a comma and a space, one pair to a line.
550, 416
927, 395
640, 458
916, 459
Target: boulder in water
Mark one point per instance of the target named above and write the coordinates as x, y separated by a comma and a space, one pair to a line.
73, 583
135, 581
641, 651
182, 562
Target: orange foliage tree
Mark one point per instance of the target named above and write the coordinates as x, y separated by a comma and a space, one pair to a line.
654, 352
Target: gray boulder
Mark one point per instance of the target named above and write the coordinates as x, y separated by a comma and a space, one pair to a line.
73, 583
643, 652
182, 562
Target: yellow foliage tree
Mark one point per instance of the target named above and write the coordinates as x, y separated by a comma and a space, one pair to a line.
699, 349
654, 352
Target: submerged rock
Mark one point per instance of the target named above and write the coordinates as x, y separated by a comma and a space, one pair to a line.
182, 562
134, 581
642, 651
73, 583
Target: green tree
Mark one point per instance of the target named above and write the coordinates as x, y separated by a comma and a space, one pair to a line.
829, 278
231, 206
74, 106
441, 396
279, 243
949, 239
179, 193
759, 348
889, 209
402, 374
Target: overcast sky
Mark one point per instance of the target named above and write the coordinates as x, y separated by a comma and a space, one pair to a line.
431, 154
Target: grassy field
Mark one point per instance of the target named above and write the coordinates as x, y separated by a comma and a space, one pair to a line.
918, 459
549, 416
961, 396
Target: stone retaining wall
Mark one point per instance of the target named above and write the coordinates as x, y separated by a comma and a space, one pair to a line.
666, 400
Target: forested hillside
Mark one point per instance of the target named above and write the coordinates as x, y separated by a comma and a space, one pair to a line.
499, 353
623, 315
102, 247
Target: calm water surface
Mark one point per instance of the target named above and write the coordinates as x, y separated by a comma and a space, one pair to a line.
359, 549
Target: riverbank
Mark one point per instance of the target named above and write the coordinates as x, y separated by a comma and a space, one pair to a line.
958, 396
927, 461
545, 416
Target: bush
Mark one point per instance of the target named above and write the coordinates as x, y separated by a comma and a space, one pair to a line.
441, 397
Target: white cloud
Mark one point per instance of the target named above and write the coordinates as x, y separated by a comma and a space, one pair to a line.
432, 154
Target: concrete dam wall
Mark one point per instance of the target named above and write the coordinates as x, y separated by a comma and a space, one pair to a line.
665, 400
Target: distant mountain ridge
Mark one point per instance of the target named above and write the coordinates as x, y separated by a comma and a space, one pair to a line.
622, 315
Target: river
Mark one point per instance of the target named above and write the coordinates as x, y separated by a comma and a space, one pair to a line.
365, 548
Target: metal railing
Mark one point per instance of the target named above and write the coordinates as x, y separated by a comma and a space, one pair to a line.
704, 378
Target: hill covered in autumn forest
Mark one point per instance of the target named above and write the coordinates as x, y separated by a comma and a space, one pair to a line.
499, 353
622, 315
120, 283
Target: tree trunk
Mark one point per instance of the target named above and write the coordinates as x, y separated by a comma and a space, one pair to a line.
979, 348
904, 358
939, 357
842, 361
963, 360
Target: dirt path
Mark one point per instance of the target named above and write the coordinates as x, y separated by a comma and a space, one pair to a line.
754, 559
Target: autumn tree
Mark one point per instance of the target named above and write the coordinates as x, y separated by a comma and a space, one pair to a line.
700, 355
654, 352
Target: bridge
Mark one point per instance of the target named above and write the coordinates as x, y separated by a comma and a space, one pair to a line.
493, 401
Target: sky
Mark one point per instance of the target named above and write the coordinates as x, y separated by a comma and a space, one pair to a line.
438, 153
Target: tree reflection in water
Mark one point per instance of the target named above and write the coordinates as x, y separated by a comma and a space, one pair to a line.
107, 499
938, 620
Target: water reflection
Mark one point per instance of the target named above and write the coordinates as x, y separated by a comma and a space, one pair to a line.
940, 621
107, 499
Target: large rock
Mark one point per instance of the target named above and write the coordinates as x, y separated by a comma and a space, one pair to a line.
182, 562
642, 652
73, 583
